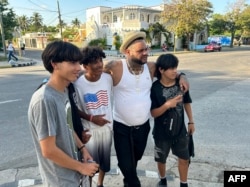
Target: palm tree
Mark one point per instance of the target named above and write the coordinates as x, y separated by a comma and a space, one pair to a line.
63, 24
36, 20
23, 22
157, 29
76, 23
148, 37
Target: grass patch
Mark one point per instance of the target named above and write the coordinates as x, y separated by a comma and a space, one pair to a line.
4, 62
2, 58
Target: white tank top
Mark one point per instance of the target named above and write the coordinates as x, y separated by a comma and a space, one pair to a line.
132, 97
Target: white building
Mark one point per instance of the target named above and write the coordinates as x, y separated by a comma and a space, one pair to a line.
104, 22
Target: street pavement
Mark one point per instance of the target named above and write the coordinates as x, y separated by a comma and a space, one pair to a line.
206, 168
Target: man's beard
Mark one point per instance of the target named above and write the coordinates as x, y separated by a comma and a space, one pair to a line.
137, 61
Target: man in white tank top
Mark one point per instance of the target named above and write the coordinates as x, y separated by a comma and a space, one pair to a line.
132, 80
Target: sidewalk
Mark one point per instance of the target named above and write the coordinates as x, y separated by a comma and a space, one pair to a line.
200, 175
211, 160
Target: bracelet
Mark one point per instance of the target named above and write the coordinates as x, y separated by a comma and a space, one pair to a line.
189, 123
91, 118
79, 149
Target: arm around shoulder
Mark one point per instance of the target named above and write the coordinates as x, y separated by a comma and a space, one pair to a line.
183, 81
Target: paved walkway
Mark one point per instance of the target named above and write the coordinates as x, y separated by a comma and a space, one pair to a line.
202, 173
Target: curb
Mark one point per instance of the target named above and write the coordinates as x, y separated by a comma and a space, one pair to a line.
18, 64
24, 64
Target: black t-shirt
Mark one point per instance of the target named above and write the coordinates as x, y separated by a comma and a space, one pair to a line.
159, 95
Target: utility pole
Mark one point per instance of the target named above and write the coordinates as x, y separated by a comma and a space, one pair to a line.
2, 30
60, 20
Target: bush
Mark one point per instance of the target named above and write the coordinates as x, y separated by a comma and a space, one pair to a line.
100, 42
117, 42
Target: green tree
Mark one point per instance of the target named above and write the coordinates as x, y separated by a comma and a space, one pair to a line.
217, 25
9, 20
69, 33
185, 17
232, 18
24, 22
50, 29
37, 21
76, 23
148, 37
245, 21
117, 41
157, 29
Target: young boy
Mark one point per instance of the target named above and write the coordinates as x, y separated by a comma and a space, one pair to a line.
50, 120
168, 104
95, 90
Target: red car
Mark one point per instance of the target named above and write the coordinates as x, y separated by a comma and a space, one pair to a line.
212, 47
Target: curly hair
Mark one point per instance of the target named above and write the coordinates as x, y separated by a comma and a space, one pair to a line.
92, 54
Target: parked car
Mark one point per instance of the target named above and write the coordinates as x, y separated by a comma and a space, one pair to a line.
212, 47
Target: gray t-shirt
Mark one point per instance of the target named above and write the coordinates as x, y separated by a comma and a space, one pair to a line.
49, 114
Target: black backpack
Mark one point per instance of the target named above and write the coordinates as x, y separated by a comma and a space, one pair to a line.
172, 123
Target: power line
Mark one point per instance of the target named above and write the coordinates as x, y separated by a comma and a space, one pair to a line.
38, 10
39, 5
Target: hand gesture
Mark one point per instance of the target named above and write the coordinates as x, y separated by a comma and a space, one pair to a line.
100, 120
171, 103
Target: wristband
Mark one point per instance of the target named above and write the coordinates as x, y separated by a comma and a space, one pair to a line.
189, 123
79, 149
91, 118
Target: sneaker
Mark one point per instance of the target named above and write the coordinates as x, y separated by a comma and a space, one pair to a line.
183, 185
160, 184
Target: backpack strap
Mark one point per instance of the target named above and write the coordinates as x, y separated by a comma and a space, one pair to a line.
77, 123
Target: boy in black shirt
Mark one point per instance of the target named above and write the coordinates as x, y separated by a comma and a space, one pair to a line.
168, 104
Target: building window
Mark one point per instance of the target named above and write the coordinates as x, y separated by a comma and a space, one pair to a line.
106, 19
142, 17
114, 18
156, 18
132, 16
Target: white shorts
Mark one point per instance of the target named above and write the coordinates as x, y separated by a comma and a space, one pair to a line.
99, 146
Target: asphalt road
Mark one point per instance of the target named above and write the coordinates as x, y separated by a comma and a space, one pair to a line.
220, 86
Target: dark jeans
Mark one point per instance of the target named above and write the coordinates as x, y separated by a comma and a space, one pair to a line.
130, 143
11, 54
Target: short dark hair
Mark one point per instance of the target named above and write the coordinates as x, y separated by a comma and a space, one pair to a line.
59, 51
165, 62
91, 54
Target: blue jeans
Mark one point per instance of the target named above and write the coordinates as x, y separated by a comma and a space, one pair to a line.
130, 143
11, 54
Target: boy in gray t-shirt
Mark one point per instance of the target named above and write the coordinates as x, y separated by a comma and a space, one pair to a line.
51, 125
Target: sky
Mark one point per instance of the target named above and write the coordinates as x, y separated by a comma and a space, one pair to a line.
71, 9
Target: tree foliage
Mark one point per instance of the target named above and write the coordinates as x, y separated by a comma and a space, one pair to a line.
184, 17
24, 23
233, 17
9, 21
76, 23
36, 21
217, 25
245, 22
